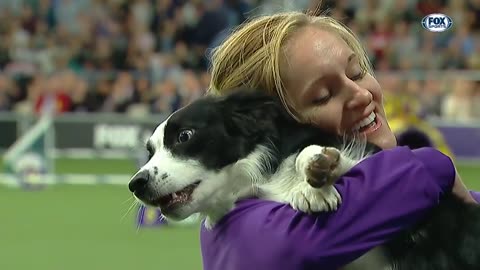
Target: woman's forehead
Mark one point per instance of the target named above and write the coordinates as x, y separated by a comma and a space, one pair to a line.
312, 54
315, 44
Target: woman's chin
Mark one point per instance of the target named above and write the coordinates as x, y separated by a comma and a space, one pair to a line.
383, 136
385, 142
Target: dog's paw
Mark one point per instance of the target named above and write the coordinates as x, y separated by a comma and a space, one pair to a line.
332, 197
307, 199
322, 167
319, 165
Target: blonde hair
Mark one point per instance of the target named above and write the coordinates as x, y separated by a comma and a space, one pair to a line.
250, 57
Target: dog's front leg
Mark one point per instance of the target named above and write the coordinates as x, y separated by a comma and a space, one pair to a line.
319, 167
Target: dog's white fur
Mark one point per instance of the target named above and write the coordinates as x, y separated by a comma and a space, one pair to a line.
219, 190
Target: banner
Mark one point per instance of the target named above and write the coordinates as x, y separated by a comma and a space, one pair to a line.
463, 140
101, 133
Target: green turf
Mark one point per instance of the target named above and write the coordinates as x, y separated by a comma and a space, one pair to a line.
81, 228
95, 166
92, 166
470, 175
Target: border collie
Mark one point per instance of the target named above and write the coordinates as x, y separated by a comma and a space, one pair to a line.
216, 150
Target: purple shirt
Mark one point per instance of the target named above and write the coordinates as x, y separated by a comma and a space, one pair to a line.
381, 196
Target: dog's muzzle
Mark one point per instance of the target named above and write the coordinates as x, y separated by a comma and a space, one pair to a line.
138, 184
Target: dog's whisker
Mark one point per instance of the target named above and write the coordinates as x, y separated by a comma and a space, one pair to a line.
132, 206
128, 200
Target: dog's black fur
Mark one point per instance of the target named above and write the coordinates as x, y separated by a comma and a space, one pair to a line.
230, 127
447, 239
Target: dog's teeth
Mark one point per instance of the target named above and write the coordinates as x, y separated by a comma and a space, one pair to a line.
174, 195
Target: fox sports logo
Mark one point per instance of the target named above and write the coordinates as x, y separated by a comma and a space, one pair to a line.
437, 22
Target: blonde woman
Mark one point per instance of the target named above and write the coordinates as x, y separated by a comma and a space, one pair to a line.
321, 73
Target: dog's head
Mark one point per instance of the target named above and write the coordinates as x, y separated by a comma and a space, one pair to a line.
191, 151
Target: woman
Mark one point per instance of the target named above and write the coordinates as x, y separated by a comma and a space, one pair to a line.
322, 74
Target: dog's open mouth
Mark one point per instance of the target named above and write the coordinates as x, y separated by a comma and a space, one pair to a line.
176, 198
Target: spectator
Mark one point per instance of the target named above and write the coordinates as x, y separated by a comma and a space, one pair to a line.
476, 100
97, 98
458, 104
164, 44
431, 97
121, 95
166, 97
190, 89
142, 93
474, 13
53, 95
79, 96
5, 85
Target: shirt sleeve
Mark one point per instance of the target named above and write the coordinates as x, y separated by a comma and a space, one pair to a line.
476, 196
382, 195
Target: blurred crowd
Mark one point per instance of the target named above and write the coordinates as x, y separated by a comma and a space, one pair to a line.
151, 56
451, 97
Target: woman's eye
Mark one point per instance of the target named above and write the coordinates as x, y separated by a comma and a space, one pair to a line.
184, 135
359, 75
321, 100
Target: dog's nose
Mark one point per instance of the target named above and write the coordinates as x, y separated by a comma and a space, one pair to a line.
139, 181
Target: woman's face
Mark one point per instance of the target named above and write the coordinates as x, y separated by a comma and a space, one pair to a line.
328, 87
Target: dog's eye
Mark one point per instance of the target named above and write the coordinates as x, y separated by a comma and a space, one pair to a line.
185, 135
150, 151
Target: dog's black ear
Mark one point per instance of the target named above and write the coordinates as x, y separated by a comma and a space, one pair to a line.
251, 113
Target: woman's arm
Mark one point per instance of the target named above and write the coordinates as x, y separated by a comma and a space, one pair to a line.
476, 196
382, 195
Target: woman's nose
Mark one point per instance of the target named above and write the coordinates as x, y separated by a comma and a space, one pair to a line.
360, 98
